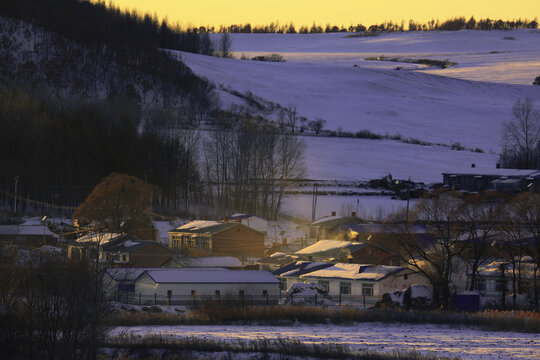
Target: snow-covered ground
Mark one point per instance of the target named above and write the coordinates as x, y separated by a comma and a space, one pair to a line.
327, 76
438, 340
319, 77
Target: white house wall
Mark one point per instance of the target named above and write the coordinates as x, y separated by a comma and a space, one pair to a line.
387, 285
146, 286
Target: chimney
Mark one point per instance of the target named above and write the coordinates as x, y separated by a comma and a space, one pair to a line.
333, 213
498, 166
473, 165
353, 214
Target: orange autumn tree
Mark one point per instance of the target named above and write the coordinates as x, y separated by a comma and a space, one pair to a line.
119, 203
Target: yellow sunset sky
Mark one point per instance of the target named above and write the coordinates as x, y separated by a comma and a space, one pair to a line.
337, 12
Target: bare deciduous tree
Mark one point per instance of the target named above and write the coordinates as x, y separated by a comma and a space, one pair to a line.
434, 255
521, 136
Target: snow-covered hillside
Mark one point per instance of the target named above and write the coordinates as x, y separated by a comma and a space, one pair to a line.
320, 78
327, 76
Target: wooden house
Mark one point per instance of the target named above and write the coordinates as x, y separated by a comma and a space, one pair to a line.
218, 238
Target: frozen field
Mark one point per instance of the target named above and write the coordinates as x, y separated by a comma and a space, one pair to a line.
438, 340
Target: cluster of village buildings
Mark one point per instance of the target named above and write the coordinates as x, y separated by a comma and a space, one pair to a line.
246, 257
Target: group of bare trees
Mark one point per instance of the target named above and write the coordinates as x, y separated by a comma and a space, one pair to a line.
473, 230
250, 166
51, 308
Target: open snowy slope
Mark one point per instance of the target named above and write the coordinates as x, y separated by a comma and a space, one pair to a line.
511, 57
412, 103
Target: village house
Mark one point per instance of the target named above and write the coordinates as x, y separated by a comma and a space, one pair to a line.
139, 253
275, 261
363, 283
327, 226
382, 242
329, 250
218, 238
29, 236
226, 262
290, 273
506, 180
496, 279
181, 285
252, 221
88, 245
351, 283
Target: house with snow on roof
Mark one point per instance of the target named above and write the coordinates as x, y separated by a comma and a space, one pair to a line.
27, 236
226, 262
218, 238
252, 221
183, 285
327, 226
139, 253
354, 282
329, 250
506, 180
290, 273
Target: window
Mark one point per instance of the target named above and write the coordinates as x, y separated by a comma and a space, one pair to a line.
218, 294
325, 284
282, 284
499, 285
193, 293
367, 289
124, 258
406, 276
345, 288
241, 293
265, 292
480, 285
169, 293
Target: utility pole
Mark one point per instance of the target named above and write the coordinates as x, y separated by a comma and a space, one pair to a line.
314, 203
16, 181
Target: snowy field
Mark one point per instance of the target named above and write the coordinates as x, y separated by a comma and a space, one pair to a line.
370, 208
361, 159
467, 105
438, 340
327, 76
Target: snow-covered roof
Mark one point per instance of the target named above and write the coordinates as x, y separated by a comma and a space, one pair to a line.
208, 261
330, 245
125, 274
325, 219
203, 276
297, 268
493, 269
204, 227
243, 216
493, 172
26, 230
355, 272
102, 238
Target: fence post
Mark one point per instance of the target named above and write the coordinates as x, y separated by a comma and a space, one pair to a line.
140, 302
155, 299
